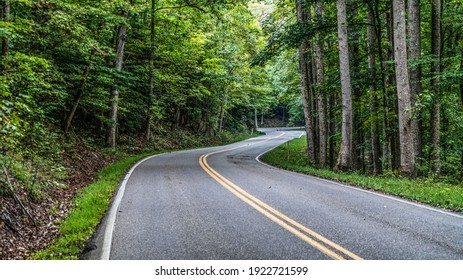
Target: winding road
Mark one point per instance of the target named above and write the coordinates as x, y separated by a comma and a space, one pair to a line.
223, 203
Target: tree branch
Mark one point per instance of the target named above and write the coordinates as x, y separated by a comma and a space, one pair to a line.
16, 198
188, 3
170, 8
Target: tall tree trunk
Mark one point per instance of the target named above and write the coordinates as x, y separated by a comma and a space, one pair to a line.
80, 92
151, 75
391, 100
414, 49
332, 129
313, 93
345, 154
221, 116
461, 79
461, 97
304, 70
256, 126
407, 151
312, 73
436, 40
357, 129
386, 128
374, 127
322, 125
121, 36
6, 19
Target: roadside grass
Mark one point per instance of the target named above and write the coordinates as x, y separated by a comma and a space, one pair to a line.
92, 202
292, 156
89, 207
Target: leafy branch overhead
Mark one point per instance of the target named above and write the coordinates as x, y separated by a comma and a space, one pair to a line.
289, 37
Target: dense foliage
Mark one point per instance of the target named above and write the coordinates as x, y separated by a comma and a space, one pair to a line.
58, 71
441, 87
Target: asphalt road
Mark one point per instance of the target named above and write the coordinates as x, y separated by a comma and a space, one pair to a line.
222, 203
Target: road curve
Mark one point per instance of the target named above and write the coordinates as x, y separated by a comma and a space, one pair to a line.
222, 203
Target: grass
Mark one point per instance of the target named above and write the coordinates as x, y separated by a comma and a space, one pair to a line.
292, 156
91, 204
89, 207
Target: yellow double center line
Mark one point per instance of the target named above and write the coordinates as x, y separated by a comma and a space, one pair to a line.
314, 239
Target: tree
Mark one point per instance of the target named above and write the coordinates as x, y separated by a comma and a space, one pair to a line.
120, 45
306, 73
151, 73
407, 152
321, 99
345, 154
79, 94
461, 100
6, 19
436, 69
414, 48
374, 117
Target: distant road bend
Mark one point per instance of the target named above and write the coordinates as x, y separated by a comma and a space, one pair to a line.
222, 203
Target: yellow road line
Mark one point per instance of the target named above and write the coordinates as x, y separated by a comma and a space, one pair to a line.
323, 244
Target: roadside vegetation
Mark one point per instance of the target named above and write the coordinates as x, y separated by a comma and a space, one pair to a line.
436, 192
88, 209
52, 202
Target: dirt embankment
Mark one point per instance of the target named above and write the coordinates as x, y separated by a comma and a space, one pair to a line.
27, 225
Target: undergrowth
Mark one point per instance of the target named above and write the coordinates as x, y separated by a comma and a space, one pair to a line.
88, 209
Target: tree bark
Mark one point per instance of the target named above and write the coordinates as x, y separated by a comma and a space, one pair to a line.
461, 79
6, 19
391, 100
386, 126
414, 48
407, 151
305, 74
461, 97
313, 93
151, 75
374, 127
357, 128
121, 37
221, 116
256, 125
436, 40
345, 154
322, 124
332, 129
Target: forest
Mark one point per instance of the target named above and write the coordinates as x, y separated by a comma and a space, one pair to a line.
378, 86
381, 82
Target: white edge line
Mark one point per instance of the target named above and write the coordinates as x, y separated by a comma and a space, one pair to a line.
112, 214
402, 200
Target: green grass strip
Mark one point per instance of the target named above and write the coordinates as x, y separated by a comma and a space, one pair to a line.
292, 156
90, 205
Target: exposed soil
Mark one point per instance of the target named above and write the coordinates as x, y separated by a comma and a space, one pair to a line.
31, 226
